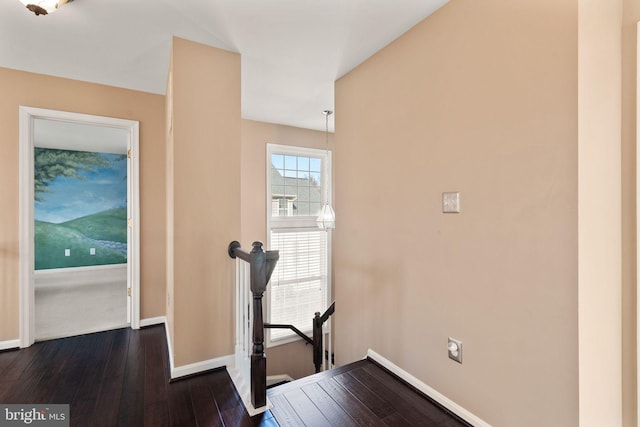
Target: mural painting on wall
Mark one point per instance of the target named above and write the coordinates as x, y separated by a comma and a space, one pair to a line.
80, 208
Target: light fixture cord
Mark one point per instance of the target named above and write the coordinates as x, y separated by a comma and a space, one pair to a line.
327, 113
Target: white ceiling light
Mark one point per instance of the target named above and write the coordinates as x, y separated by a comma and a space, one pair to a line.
44, 7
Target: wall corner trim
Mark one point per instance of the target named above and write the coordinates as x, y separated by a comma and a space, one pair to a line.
429, 391
9, 344
192, 368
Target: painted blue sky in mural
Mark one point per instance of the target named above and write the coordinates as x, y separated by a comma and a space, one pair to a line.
71, 198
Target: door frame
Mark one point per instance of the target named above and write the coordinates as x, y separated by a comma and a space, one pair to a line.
26, 210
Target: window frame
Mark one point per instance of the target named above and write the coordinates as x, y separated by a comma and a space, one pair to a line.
298, 223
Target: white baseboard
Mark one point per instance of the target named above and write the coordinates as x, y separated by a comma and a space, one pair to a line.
424, 388
205, 365
193, 368
151, 321
6, 345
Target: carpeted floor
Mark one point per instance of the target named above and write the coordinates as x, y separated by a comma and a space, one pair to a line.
64, 310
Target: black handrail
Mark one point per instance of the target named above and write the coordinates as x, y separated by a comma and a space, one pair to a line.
293, 328
316, 342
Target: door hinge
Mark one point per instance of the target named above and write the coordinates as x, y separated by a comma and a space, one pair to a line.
128, 292
129, 153
130, 222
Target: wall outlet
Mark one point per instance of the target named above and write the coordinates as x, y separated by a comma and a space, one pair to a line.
67, 252
454, 348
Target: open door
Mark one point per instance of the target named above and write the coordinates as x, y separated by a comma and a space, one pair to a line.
29, 117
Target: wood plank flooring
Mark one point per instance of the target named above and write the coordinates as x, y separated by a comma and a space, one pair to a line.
121, 378
358, 394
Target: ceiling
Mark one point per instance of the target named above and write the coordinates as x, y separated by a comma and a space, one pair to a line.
292, 50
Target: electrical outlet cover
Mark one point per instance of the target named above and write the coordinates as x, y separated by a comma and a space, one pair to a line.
454, 348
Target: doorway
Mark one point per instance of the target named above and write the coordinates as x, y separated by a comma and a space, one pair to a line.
79, 259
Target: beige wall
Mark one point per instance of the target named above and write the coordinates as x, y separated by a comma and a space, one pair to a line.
629, 53
293, 359
599, 224
480, 98
22, 88
206, 199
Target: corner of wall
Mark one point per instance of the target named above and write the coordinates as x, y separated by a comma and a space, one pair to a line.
599, 222
203, 198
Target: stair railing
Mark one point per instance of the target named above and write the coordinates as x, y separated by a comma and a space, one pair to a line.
261, 266
317, 340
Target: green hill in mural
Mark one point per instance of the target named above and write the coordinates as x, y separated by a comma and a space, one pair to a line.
106, 232
106, 225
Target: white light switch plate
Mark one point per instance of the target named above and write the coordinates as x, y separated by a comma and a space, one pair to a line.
92, 251
451, 202
67, 252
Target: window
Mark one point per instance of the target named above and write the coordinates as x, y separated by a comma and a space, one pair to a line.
298, 181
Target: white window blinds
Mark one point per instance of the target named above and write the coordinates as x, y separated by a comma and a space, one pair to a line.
299, 282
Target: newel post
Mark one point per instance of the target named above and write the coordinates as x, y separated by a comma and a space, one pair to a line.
258, 358
261, 266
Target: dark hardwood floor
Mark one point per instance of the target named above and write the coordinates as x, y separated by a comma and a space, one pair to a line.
358, 394
121, 378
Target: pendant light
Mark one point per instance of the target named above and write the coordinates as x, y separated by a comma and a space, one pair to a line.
44, 7
327, 218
